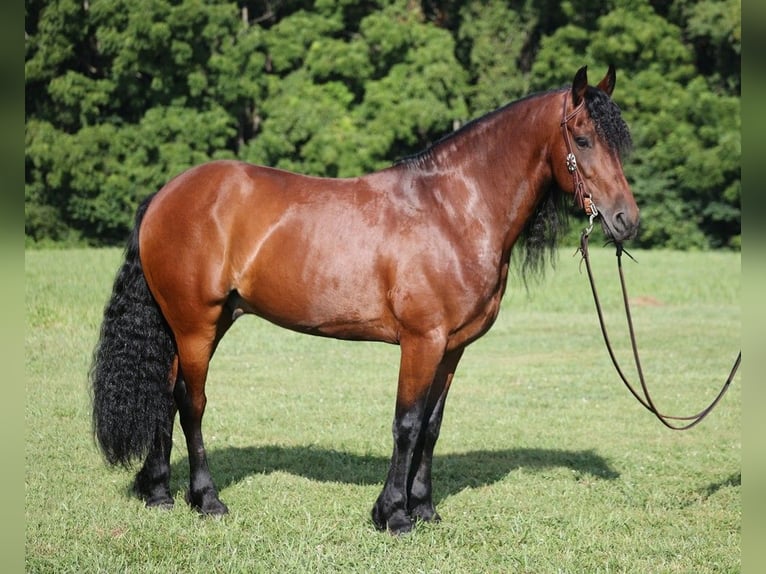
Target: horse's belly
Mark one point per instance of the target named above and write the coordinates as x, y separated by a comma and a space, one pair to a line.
330, 299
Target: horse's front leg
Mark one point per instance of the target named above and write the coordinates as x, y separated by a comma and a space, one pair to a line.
420, 357
420, 497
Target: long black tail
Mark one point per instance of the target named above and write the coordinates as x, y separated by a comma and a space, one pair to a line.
131, 364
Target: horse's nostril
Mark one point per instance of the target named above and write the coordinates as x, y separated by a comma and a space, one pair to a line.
623, 225
619, 220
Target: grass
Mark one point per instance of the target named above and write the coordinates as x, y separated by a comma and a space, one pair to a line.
545, 463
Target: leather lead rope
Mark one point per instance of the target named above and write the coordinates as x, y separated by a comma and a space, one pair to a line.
644, 398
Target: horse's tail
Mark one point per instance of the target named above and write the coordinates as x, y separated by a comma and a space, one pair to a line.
130, 373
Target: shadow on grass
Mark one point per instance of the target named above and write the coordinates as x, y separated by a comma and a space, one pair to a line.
452, 472
733, 480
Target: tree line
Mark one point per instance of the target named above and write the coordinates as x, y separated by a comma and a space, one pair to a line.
121, 96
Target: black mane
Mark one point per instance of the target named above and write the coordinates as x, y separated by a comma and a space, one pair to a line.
423, 155
610, 126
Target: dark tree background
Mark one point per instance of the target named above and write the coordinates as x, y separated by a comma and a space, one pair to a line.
121, 96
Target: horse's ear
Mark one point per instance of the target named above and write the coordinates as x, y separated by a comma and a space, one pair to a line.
579, 85
607, 84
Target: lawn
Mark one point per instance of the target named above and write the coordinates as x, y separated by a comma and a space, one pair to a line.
545, 462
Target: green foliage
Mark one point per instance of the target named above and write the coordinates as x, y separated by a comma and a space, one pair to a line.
338, 106
121, 96
418, 88
495, 38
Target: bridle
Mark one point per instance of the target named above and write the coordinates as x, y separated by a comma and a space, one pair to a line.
583, 200
582, 197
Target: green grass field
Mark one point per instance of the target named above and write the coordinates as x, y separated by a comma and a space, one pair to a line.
545, 462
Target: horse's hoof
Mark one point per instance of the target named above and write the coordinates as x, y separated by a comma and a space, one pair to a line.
154, 496
426, 514
207, 505
162, 503
216, 508
400, 523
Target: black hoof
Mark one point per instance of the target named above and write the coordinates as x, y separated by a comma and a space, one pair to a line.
163, 502
426, 513
207, 503
398, 523
155, 494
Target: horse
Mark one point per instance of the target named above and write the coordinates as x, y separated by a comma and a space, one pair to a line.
416, 255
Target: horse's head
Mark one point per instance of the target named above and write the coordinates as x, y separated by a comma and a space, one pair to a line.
587, 155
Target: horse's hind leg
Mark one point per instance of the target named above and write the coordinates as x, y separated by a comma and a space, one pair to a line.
195, 353
152, 482
420, 499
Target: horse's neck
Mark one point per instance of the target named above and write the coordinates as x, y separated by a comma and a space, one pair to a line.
502, 162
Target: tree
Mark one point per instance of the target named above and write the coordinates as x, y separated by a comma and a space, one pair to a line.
496, 40
122, 96
342, 104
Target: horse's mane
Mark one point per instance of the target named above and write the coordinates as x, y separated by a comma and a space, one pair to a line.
416, 159
610, 126
538, 240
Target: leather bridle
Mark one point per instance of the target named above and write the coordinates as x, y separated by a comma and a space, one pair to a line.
582, 197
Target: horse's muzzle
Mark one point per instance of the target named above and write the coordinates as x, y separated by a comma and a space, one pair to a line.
620, 226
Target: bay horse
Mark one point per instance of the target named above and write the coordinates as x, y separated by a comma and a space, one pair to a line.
416, 255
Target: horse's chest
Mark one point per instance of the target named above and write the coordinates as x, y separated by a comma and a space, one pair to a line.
485, 311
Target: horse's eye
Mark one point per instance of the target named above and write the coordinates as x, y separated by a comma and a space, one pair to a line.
582, 142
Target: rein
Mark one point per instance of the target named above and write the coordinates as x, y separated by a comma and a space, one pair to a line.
645, 400
583, 200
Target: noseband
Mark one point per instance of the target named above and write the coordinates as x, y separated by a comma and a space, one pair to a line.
582, 197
